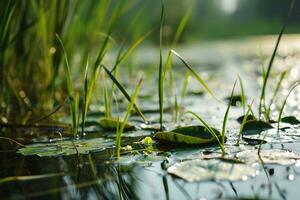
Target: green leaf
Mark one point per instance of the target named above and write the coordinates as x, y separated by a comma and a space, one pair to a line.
189, 135
253, 127
204, 170
290, 120
194, 73
249, 118
112, 124
66, 147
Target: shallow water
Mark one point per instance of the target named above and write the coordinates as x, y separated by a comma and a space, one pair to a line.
144, 176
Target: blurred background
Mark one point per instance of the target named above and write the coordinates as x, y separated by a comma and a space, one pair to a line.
31, 75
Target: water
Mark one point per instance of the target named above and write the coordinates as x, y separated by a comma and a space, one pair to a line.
143, 175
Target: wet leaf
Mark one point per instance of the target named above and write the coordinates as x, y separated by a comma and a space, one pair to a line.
269, 156
253, 127
111, 124
249, 118
203, 170
191, 135
290, 120
65, 148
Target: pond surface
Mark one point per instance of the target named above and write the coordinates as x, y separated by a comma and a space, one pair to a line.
142, 173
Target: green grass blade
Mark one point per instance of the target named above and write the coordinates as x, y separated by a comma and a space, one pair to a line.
160, 72
243, 96
243, 123
124, 56
129, 109
69, 88
282, 75
194, 73
105, 97
124, 92
226, 115
85, 105
182, 24
284, 102
209, 129
262, 96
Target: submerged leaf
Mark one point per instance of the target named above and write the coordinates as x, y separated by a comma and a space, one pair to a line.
68, 147
269, 156
188, 135
111, 124
203, 170
253, 127
290, 120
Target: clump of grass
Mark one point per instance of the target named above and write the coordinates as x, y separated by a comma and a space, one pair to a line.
284, 102
120, 128
267, 73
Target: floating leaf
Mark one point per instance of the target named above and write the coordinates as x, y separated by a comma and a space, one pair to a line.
67, 147
254, 141
203, 170
290, 120
188, 135
249, 118
253, 127
269, 156
111, 124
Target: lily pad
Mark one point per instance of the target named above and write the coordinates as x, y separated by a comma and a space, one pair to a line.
253, 127
290, 120
249, 118
111, 124
204, 170
269, 156
189, 135
67, 147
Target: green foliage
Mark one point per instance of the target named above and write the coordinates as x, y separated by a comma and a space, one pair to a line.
66, 147
189, 135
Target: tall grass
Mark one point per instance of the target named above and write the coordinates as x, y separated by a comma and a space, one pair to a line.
72, 100
267, 74
160, 72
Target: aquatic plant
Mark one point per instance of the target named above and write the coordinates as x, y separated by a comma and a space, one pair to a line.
121, 126
284, 102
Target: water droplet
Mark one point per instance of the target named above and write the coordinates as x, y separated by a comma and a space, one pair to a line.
291, 177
